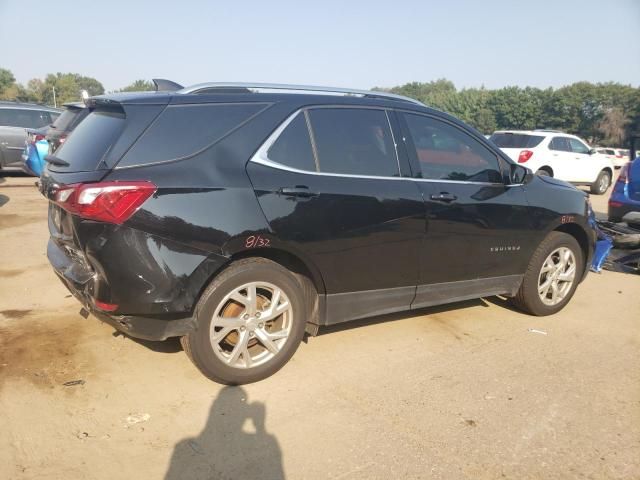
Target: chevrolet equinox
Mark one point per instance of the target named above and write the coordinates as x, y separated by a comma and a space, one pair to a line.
240, 216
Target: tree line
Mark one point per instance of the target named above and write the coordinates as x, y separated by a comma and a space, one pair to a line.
67, 87
602, 113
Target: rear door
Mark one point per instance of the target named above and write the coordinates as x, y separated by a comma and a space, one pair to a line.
563, 159
329, 182
478, 234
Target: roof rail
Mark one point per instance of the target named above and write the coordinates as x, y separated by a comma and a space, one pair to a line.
237, 87
548, 130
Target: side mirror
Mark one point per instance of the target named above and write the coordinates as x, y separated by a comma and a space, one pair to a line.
592, 151
520, 174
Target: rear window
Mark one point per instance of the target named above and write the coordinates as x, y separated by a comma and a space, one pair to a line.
66, 120
516, 140
90, 141
184, 130
24, 118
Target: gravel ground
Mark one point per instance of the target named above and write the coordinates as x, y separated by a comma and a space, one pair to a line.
462, 391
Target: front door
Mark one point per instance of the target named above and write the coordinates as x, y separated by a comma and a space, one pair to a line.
329, 183
478, 235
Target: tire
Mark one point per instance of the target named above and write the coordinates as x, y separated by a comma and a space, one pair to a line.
627, 240
215, 357
528, 298
543, 173
602, 183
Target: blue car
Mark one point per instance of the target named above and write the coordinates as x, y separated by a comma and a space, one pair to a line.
36, 147
625, 196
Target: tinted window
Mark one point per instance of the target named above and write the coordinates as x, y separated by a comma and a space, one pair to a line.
577, 146
446, 152
183, 130
68, 118
91, 141
15, 117
515, 140
293, 146
560, 144
354, 141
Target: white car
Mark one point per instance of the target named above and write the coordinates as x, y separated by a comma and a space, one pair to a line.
617, 156
557, 154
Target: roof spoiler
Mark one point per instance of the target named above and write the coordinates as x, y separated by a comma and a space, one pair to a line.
163, 85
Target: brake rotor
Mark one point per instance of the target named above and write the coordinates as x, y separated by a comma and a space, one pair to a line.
235, 309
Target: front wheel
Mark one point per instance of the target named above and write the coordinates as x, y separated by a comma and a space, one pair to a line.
552, 276
601, 185
250, 321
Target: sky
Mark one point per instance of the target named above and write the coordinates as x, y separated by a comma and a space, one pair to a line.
358, 44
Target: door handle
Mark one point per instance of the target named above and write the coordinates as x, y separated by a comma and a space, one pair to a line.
301, 191
444, 197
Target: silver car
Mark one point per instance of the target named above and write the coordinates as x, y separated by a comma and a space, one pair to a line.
14, 118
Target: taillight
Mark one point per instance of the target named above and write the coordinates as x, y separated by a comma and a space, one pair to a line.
624, 173
524, 156
34, 138
111, 202
107, 307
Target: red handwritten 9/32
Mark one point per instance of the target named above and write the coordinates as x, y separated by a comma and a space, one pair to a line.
256, 241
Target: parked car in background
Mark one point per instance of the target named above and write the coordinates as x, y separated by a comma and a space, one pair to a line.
239, 216
15, 117
615, 155
625, 196
557, 154
35, 149
72, 115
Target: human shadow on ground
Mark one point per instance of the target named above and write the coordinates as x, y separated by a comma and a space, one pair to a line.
229, 447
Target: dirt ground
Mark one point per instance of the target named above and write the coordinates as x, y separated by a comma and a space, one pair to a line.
462, 391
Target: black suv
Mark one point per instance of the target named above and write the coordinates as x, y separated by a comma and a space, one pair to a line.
240, 216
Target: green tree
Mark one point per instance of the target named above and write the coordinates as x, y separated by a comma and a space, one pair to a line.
7, 83
139, 86
68, 87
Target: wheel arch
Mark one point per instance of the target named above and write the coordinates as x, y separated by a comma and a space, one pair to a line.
577, 232
547, 169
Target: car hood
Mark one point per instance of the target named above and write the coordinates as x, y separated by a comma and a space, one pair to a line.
556, 181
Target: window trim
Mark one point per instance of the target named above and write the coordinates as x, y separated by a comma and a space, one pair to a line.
261, 155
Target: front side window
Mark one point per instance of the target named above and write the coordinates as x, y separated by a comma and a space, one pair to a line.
560, 144
578, 147
353, 141
445, 152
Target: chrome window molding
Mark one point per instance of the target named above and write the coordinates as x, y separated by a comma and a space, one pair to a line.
261, 157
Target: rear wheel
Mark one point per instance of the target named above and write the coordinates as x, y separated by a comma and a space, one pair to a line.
250, 321
552, 275
602, 183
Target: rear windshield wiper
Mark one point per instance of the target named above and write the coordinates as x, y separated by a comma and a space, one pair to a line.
53, 160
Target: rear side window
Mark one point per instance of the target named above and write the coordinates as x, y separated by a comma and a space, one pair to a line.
184, 130
354, 141
516, 140
445, 152
90, 141
293, 146
23, 118
560, 144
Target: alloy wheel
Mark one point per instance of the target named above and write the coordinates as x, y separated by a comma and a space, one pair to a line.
251, 325
556, 276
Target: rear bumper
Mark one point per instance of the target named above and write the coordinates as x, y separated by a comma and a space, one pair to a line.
145, 328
